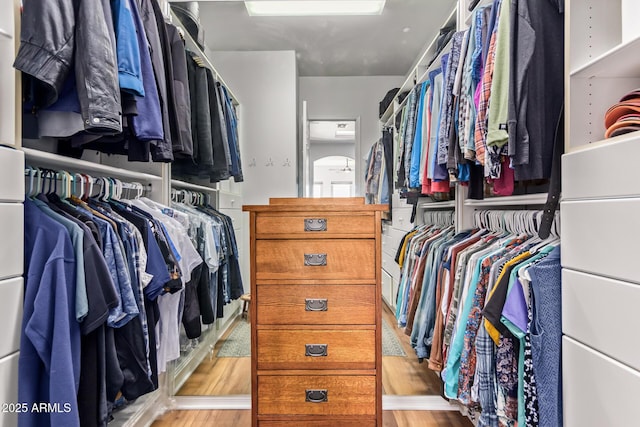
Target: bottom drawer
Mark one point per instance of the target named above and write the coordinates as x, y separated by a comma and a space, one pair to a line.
333, 422
316, 395
597, 390
9, 389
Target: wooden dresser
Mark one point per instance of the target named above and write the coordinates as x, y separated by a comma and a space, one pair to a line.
316, 331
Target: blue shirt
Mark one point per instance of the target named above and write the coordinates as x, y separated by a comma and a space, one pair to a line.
49, 361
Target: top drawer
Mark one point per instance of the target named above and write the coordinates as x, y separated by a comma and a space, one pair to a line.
314, 225
229, 200
318, 259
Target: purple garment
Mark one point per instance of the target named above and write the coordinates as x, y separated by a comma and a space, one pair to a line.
515, 307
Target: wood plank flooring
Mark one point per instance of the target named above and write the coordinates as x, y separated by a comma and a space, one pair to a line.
243, 419
403, 376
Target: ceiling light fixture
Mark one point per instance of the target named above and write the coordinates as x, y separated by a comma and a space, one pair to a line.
313, 7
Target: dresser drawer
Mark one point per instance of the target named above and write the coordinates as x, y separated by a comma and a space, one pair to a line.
331, 422
316, 259
316, 395
316, 225
316, 349
316, 304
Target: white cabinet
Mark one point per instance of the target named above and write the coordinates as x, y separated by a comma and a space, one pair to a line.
600, 207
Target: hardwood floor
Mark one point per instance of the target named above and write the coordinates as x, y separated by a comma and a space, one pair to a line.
243, 419
220, 376
403, 376
406, 376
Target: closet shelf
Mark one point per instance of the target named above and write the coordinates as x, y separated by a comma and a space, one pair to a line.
430, 205
480, 4
191, 44
55, 161
526, 199
619, 62
408, 84
189, 186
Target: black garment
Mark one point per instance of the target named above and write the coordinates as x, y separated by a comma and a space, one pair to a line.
219, 137
92, 398
476, 181
182, 99
204, 295
132, 358
493, 308
200, 122
153, 314
191, 310
536, 90
114, 375
387, 146
51, 34
162, 151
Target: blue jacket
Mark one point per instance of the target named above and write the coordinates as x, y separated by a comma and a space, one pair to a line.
127, 49
147, 125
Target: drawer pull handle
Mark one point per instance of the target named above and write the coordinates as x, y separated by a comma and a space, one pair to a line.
315, 224
315, 260
316, 304
315, 350
317, 396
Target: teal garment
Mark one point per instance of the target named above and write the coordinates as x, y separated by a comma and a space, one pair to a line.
77, 239
457, 342
416, 150
519, 333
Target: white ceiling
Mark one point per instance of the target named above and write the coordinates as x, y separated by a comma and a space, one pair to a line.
331, 46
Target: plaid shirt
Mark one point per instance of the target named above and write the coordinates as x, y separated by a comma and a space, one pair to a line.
483, 105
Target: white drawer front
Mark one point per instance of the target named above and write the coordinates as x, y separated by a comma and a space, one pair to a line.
9, 388
387, 288
236, 217
391, 240
590, 173
229, 201
401, 218
600, 237
597, 390
602, 313
11, 174
390, 266
12, 247
11, 296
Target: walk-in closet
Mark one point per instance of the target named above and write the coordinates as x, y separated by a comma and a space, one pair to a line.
319, 213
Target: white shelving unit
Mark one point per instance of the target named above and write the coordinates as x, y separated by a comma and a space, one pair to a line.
600, 287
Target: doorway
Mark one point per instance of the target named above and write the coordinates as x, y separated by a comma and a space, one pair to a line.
330, 150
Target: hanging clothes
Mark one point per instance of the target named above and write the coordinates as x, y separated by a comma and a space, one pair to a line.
108, 284
470, 304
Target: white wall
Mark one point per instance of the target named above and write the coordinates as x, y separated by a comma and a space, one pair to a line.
265, 84
341, 98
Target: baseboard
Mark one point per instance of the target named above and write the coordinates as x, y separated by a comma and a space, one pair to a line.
236, 402
243, 401
416, 403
